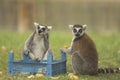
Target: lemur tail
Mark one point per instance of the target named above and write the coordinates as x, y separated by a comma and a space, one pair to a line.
108, 70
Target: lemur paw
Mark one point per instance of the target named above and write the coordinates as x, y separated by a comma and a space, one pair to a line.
31, 56
37, 59
26, 52
63, 49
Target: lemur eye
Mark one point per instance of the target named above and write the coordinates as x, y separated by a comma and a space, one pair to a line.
80, 31
74, 30
43, 29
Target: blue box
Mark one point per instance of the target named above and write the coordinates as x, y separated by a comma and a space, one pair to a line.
49, 67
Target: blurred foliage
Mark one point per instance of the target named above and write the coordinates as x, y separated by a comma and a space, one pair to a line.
99, 15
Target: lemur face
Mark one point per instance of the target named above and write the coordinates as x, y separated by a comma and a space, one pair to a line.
41, 30
78, 30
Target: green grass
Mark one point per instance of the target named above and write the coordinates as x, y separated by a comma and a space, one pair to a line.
108, 47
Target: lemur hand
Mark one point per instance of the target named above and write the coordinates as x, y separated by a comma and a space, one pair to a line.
64, 49
26, 52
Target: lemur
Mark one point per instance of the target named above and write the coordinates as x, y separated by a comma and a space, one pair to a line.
84, 53
37, 45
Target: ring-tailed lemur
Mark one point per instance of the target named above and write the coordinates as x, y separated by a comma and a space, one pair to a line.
37, 45
84, 54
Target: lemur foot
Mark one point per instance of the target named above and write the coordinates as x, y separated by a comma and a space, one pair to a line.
31, 56
26, 52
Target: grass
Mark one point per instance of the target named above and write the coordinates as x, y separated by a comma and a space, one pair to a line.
108, 47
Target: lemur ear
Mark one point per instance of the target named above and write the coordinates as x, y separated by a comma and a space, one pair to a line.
71, 26
49, 27
84, 26
36, 24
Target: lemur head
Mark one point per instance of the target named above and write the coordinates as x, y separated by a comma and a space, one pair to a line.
78, 30
42, 30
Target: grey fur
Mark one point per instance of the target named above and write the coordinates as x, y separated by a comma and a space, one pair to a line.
37, 45
83, 53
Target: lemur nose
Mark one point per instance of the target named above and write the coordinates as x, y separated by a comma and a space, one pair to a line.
77, 34
39, 31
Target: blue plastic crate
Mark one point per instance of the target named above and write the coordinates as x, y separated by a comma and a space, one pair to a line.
49, 67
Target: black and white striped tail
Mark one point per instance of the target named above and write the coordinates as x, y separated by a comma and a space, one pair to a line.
109, 70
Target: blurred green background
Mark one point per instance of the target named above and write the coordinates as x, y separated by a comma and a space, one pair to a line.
99, 15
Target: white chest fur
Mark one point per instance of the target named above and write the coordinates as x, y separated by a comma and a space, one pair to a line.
38, 48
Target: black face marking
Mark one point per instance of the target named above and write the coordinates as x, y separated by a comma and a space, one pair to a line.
80, 30
74, 30
77, 34
42, 29
39, 31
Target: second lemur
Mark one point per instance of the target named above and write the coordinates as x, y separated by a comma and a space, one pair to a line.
37, 45
84, 53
